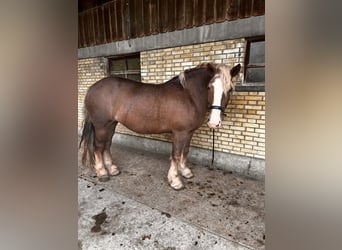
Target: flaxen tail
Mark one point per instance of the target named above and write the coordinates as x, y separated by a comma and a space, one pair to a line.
87, 140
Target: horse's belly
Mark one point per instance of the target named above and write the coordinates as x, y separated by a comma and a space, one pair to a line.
146, 127
145, 123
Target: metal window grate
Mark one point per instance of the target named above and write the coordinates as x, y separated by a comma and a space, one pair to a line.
126, 66
254, 66
255, 62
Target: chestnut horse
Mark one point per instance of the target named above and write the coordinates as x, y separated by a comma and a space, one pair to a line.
177, 106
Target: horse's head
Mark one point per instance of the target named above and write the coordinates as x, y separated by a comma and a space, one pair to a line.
220, 87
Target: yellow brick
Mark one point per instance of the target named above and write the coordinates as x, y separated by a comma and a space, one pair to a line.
260, 149
235, 145
261, 112
234, 102
218, 47
250, 125
261, 131
251, 121
238, 97
258, 139
239, 106
203, 53
251, 134
253, 107
253, 97
252, 143
237, 128
236, 140
256, 117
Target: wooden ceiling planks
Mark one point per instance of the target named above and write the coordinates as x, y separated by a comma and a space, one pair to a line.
102, 21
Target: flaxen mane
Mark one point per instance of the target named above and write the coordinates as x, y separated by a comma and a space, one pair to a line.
218, 70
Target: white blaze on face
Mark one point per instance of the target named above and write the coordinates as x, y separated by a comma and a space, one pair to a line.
215, 114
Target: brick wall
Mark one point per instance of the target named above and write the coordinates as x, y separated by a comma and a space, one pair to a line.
243, 128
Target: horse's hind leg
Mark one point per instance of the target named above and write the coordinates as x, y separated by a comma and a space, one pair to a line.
103, 137
101, 172
107, 156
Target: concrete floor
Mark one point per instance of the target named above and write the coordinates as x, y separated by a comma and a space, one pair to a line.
138, 209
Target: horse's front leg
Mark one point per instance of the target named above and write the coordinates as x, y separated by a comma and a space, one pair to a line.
173, 177
184, 170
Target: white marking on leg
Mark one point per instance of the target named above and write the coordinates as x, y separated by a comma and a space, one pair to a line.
99, 168
185, 171
112, 169
173, 178
107, 158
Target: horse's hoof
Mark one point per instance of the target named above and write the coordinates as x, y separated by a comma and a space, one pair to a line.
177, 186
104, 178
113, 170
187, 173
114, 173
188, 176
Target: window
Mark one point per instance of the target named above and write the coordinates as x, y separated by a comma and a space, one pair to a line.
127, 66
254, 70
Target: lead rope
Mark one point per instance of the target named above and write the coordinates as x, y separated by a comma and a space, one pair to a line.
213, 151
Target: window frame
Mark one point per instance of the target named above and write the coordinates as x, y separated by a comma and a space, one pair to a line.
251, 86
125, 72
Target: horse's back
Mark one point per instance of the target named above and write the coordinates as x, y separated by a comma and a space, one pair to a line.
110, 85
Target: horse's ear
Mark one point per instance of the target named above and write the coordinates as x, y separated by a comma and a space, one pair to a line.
181, 78
211, 67
235, 70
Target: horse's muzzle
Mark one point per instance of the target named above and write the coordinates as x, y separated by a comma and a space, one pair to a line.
214, 119
214, 125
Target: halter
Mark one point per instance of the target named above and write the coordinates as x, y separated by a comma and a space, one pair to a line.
216, 107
